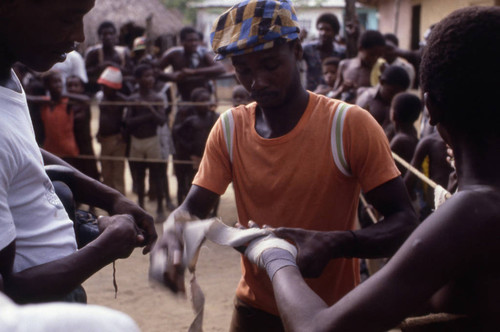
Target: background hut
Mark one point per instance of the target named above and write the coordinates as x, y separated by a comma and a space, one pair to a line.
132, 18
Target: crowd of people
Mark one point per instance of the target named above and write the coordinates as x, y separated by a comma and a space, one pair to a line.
299, 152
133, 89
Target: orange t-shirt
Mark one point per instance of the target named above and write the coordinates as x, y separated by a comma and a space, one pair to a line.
59, 134
293, 181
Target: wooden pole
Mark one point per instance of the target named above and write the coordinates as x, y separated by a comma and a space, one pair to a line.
352, 28
149, 34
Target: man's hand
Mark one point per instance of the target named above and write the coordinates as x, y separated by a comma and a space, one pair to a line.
143, 221
171, 246
315, 248
121, 235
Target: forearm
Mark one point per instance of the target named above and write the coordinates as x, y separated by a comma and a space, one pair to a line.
136, 121
296, 315
55, 279
211, 71
85, 189
384, 238
78, 97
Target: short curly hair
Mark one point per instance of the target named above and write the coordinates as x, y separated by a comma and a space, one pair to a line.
460, 69
330, 19
406, 107
370, 39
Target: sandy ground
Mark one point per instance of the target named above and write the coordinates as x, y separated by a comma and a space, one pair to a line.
157, 309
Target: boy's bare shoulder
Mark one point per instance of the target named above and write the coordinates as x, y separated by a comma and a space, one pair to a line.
475, 211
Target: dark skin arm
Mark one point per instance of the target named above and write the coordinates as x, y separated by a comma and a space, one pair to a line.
447, 246
135, 120
50, 281
213, 68
90, 191
77, 97
316, 249
421, 151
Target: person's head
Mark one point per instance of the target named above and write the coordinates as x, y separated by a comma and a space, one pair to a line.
240, 96
405, 109
201, 95
394, 79
371, 47
52, 81
330, 66
74, 84
328, 27
111, 81
40, 33
144, 75
107, 34
139, 47
265, 59
190, 39
391, 45
459, 72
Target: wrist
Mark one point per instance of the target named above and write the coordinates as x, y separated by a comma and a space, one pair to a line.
275, 259
342, 244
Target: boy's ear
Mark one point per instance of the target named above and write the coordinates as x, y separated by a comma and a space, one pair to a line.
435, 113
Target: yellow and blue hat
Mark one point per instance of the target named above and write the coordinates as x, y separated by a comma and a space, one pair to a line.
254, 25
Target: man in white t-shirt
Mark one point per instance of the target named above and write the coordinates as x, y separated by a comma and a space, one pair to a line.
39, 260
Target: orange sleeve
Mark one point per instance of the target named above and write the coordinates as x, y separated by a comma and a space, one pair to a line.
215, 171
367, 150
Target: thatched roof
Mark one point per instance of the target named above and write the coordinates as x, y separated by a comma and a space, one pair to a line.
120, 12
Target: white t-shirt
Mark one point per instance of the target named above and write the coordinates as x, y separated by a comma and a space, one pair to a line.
62, 317
73, 65
30, 211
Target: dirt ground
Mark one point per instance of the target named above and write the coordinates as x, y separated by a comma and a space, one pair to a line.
157, 309
150, 305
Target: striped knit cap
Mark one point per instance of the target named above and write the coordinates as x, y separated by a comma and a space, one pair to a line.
254, 25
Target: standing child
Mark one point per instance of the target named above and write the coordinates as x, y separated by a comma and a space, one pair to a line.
405, 110
57, 119
240, 96
330, 68
377, 100
190, 136
111, 129
142, 123
429, 157
363, 70
75, 87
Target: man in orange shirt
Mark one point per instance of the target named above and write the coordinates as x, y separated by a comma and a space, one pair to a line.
296, 159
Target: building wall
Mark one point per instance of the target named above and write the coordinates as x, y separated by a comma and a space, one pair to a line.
433, 11
388, 23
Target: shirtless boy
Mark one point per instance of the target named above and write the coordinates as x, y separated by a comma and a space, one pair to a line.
451, 261
356, 73
429, 157
107, 54
142, 124
111, 128
192, 64
405, 110
190, 136
377, 100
